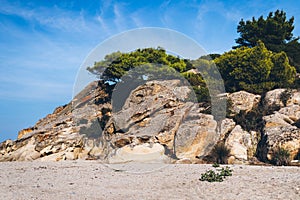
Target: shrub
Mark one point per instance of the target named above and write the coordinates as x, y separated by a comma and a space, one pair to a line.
213, 176
285, 96
220, 153
281, 157
216, 165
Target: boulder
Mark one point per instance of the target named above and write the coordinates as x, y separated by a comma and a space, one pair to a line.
195, 136
242, 101
159, 112
227, 125
273, 100
242, 144
279, 131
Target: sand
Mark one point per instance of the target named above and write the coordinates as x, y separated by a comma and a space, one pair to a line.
93, 180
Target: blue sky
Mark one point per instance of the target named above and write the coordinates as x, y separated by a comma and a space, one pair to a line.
43, 43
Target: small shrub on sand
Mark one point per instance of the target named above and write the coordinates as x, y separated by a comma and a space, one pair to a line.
281, 157
216, 176
220, 153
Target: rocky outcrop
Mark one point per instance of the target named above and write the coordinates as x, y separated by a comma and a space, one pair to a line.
158, 113
68, 133
159, 123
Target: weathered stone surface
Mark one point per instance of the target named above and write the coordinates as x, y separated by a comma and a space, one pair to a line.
242, 144
196, 135
279, 131
242, 101
157, 112
158, 123
273, 100
294, 98
150, 153
227, 125
60, 135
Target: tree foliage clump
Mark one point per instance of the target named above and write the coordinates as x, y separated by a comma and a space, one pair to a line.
255, 69
145, 62
153, 64
275, 32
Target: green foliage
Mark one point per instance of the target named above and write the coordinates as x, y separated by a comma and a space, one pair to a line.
255, 69
281, 157
220, 153
215, 165
285, 96
213, 176
292, 49
275, 32
152, 64
148, 61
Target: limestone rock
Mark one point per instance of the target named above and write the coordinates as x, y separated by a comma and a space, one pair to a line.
60, 135
242, 101
195, 135
159, 123
294, 98
273, 100
242, 144
227, 125
154, 153
157, 112
280, 132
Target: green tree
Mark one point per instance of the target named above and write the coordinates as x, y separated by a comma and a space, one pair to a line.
145, 63
255, 69
142, 65
275, 32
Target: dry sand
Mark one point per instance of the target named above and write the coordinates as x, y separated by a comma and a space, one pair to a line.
93, 180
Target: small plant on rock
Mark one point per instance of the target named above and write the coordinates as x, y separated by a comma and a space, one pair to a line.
281, 157
220, 153
285, 96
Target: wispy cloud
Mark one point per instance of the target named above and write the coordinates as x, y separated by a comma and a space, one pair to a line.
51, 17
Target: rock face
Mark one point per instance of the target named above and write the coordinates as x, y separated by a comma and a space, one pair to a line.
157, 113
281, 128
63, 134
159, 123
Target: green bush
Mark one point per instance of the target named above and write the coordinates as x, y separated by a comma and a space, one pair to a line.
216, 165
281, 157
215, 176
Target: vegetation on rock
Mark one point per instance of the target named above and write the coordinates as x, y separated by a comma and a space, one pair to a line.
255, 69
220, 153
281, 157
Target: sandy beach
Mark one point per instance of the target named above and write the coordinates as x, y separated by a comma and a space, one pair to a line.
94, 180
